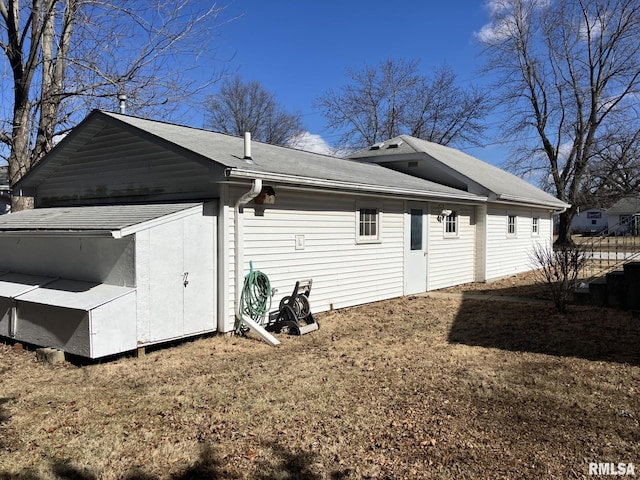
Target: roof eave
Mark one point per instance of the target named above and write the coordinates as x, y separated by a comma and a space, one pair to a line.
60, 233
236, 173
532, 202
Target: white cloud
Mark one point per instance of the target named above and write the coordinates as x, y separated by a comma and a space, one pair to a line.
503, 24
310, 142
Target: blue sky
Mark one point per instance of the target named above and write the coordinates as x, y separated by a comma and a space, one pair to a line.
299, 49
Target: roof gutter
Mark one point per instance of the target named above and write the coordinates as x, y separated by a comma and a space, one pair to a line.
239, 173
530, 201
61, 233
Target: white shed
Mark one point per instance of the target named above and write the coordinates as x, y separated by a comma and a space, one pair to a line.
591, 221
101, 280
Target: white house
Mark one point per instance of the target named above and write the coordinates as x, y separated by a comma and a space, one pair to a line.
591, 221
143, 231
624, 216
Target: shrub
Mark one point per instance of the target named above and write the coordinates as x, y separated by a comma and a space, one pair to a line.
559, 267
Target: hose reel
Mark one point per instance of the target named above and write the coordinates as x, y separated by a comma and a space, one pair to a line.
294, 314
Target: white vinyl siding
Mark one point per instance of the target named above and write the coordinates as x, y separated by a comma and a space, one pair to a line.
117, 164
508, 254
451, 259
344, 272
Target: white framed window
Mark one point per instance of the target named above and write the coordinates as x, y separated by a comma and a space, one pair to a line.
512, 225
451, 225
416, 229
535, 226
368, 219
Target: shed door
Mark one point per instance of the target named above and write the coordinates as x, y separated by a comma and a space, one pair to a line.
199, 274
166, 296
415, 277
181, 277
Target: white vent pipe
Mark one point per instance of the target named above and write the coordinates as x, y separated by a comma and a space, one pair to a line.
247, 145
123, 103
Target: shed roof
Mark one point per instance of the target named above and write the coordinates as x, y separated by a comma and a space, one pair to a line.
270, 162
497, 183
107, 220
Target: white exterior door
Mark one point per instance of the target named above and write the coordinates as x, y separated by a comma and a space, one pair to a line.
415, 258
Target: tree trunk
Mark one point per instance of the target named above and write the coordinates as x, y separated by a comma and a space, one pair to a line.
21, 203
564, 230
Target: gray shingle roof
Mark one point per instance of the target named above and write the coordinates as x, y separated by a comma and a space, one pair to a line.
106, 219
502, 184
626, 206
228, 150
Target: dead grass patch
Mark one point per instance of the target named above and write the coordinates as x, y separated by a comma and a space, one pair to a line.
407, 388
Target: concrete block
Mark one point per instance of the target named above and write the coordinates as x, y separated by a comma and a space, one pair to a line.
50, 355
632, 284
582, 296
598, 290
616, 290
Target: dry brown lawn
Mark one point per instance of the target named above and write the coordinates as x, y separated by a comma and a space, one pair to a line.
415, 387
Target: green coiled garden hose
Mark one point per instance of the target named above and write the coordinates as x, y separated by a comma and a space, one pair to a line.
255, 298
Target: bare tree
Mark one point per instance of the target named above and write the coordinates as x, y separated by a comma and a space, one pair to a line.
248, 107
570, 70
393, 98
614, 171
68, 56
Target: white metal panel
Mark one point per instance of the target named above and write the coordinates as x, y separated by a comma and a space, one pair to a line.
100, 260
56, 327
12, 285
74, 294
344, 272
451, 259
113, 327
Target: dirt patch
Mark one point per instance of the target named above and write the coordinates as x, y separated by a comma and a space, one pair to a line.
415, 387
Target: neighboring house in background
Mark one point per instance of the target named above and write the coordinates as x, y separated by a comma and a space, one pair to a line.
624, 216
155, 225
5, 191
590, 222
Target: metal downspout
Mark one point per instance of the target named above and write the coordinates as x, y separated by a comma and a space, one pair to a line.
256, 188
